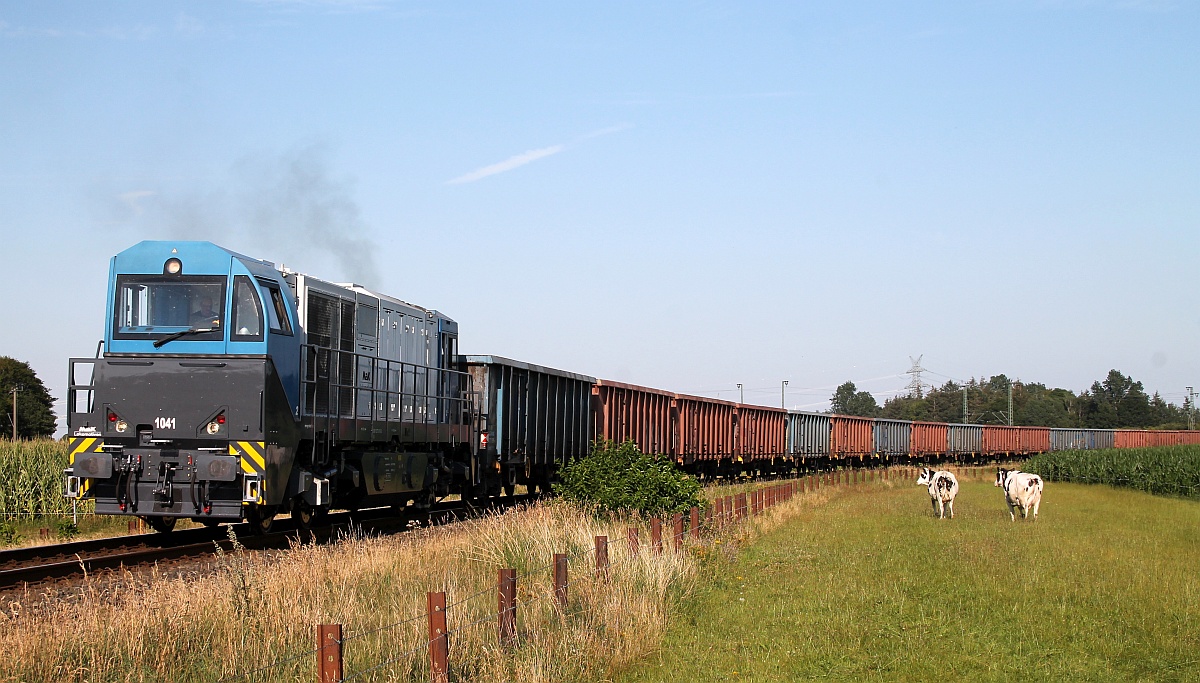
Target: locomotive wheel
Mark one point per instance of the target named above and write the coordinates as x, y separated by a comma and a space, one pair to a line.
162, 525
260, 518
305, 515
510, 490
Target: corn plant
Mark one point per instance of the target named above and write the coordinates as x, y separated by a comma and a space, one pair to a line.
31, 479
1168, 470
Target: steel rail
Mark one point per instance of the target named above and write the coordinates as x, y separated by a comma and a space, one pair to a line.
22, 567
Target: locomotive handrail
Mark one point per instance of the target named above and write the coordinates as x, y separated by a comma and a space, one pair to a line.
73, 386
335, 385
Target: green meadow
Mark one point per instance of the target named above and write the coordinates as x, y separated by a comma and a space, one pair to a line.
1105, 586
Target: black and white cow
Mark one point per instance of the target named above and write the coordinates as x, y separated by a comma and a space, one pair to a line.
943, 487
1021, 490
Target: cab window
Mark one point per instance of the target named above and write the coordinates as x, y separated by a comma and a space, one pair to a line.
247, 311
277, 315
153, 306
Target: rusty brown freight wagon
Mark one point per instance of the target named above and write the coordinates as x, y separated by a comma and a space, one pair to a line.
1130, 438
761, 432
929, 439
851, 437
626, 411
1035, 440
704, 429
1001, 439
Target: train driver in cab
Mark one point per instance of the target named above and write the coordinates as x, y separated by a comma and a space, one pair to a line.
206, 316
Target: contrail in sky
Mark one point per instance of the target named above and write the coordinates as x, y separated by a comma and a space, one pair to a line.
532, 155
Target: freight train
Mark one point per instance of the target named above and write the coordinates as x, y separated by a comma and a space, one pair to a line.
231, 389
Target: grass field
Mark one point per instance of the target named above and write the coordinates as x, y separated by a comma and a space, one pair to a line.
869, 586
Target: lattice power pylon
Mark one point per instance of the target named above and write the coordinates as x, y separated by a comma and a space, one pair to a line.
915, 387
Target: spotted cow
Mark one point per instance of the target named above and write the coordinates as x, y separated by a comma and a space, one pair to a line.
943, 487
1021, 490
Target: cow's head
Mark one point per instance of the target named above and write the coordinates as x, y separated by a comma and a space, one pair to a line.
926, 477
1001, 475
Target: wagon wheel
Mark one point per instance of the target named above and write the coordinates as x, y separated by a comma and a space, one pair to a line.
162, 525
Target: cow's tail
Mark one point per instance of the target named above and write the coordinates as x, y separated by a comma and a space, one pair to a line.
1035, 483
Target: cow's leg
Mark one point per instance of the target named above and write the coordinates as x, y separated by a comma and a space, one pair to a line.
950, 504
934, 503
1010, 512
1036, 504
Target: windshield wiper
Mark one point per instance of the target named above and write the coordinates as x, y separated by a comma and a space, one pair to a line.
172, 337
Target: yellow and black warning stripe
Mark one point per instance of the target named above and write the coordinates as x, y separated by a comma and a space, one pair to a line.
83, 444
252, 459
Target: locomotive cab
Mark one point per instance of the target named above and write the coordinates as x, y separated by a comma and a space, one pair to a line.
192, 409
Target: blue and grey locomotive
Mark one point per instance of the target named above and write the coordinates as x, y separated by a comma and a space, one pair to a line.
231, 389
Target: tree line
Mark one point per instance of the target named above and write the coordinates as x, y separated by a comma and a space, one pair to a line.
1117, 402
35, 407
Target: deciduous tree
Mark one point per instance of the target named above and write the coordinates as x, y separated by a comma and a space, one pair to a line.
35, 407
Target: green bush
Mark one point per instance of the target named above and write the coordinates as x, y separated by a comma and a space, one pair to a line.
620, 478
8, 533
65, 528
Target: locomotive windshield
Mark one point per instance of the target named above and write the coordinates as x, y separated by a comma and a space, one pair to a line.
151, 306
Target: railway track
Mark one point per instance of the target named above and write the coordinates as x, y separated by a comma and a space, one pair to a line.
22, 567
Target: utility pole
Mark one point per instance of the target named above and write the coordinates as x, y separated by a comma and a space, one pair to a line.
1191, 407
915, 387
741, 394
965, 421
14, 393
783, 395
1010, 415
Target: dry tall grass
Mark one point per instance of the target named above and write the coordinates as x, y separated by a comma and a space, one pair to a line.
256, 612
256, 609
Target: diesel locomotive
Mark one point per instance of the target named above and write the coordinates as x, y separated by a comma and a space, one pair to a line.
230, 389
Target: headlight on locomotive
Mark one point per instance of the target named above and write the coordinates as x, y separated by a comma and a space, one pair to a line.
214, 427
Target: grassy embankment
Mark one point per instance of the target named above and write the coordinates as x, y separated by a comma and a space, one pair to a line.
258, 608
872, 587
255, 608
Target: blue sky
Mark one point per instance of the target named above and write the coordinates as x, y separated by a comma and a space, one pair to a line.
681, 195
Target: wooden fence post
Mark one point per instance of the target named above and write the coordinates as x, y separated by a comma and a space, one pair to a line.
329, 654
602, 555
656, 535
631, 534
694, 523
560, 580
507, 613
439, 650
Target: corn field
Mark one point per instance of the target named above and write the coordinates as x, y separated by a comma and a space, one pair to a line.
31, 479
1168, 470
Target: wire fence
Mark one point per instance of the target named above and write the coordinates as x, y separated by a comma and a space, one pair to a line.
450, 621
